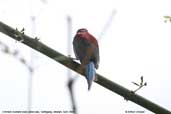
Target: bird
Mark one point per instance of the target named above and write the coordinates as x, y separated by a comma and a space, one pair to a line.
86, 50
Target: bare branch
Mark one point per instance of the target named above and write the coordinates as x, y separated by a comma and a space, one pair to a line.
68, 62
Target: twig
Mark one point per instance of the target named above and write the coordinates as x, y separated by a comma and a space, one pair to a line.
70, 87
5, 49
142, 84
167, 18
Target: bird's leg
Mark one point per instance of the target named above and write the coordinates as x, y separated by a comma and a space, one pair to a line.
72, 58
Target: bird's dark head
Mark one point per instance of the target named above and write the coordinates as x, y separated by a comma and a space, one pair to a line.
82, 31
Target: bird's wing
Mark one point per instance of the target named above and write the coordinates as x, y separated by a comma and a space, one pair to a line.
75, 49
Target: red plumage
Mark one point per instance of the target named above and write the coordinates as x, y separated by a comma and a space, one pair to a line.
86, 47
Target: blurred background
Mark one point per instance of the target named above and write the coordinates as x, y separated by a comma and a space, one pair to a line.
134, 41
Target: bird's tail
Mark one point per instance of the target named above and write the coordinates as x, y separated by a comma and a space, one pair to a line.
90, 74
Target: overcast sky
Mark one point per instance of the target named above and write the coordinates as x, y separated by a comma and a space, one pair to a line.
135, 42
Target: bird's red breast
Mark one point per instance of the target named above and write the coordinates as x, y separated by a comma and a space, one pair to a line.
88, 37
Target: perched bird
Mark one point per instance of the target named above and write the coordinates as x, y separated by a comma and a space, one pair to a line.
86, 50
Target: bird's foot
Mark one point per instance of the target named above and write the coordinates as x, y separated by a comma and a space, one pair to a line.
95, 78
72, 58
